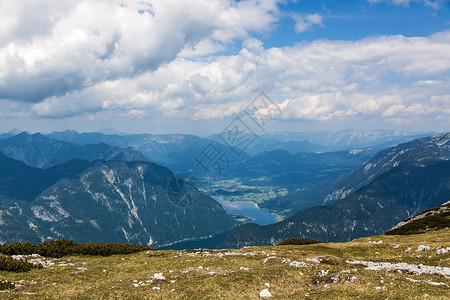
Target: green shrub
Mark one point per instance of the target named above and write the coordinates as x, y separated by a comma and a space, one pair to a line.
9, 264
299, 241
6, 285
60, 248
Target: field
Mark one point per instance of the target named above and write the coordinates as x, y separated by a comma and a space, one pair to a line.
318, 271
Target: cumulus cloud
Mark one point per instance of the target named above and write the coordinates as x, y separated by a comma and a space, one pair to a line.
160, 60
306, 22
51, 48
321, 80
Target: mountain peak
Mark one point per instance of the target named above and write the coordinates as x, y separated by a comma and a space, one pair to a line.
14, 131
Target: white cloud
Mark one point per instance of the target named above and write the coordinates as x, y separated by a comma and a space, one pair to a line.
436, 4
306, 22
50, 48
154, 61
321, 80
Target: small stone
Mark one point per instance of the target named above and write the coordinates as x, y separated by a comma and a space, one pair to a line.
322, 273
158, 276
335, 279
326, 286
316, 260
441, 251
298, 264
422, 248
351, 279
267, 284
265, 294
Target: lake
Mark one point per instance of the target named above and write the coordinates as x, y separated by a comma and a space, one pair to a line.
248, 209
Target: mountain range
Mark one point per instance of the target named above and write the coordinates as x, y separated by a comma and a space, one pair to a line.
329, 141
117, 188
107, 201
412, 177
175, 151
419, 150
40, 151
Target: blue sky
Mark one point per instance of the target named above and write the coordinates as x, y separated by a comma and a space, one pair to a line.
352, 20
191, 66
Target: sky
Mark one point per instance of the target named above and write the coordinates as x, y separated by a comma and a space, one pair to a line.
172, 66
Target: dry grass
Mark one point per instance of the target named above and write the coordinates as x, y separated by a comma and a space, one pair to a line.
221, 277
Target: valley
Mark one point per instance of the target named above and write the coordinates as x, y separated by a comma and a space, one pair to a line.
329, 196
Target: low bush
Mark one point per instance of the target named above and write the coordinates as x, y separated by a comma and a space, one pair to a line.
9, 264
60, 248
299, 241
6, 285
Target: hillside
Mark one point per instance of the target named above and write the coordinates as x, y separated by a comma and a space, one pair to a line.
421, 150
115, 201
432, 219
378, 267
375, 208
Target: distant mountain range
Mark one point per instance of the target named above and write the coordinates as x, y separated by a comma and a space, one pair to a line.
116, 187
104, 201
336, 140
40, 151
329, 141
10, 133
412, 177
310, 177
176, 151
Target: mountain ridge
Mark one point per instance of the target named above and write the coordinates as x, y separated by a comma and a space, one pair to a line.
110, 201
40, 151
436, 147
372, 209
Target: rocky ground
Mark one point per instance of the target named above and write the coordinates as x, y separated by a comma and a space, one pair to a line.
380, 267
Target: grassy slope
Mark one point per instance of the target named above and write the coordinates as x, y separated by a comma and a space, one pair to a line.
112, 277
431, 219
